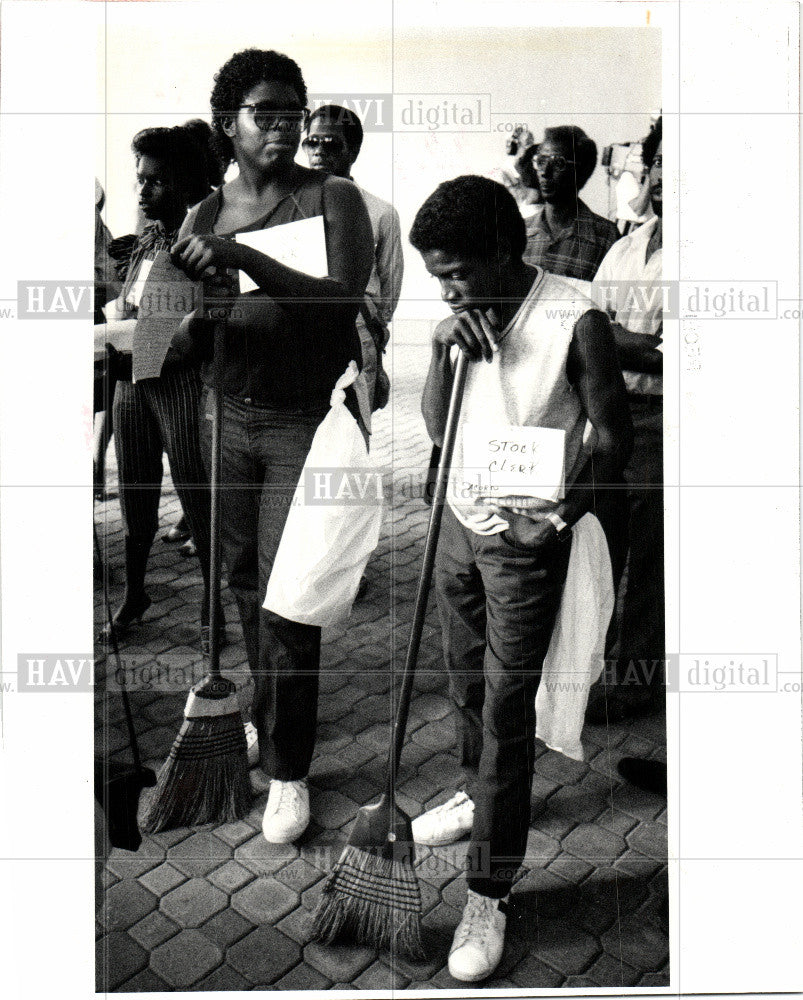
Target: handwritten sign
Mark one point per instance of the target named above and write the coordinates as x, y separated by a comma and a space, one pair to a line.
300, 245
501, 460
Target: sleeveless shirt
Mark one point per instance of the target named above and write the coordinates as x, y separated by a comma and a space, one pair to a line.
525, 385
280, 356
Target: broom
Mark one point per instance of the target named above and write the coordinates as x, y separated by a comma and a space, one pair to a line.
205, 777
372, 895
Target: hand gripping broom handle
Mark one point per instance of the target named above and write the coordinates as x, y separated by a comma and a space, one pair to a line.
214, 487
427, 566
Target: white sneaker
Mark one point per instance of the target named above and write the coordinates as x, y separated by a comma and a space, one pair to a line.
479, 939
445, 824
287, 812
252, 744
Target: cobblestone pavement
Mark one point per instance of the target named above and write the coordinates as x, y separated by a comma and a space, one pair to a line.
218, 908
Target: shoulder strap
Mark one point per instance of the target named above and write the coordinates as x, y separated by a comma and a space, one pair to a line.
207, 213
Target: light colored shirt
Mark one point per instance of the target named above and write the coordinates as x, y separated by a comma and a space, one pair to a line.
628, 287
524, 386
384, 285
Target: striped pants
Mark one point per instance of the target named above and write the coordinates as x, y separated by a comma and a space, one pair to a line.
152, 417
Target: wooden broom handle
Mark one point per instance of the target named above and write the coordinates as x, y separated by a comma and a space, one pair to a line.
214, 487
427, 566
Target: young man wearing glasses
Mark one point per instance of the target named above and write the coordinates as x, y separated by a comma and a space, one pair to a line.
332, 144
287, 343
563, 235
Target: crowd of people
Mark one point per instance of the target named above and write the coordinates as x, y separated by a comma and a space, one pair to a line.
503, 255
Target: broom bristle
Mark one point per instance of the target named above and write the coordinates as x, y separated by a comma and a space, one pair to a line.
205, 777
371, 899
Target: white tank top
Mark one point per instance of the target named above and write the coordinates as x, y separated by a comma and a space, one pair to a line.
525, 385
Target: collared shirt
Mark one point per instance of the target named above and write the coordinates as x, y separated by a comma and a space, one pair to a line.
622, 289
574, 252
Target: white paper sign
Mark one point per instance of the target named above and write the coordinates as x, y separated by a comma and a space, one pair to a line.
300, 245
502, 460
137, 286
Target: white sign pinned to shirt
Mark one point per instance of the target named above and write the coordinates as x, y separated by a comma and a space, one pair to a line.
503, 460
300, 245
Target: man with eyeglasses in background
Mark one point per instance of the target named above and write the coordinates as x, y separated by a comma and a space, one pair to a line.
563, 235
332, 144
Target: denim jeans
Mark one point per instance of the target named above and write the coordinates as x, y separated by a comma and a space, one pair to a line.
498, 603
263, 452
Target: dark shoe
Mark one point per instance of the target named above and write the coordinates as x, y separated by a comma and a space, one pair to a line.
129, 612
649, 775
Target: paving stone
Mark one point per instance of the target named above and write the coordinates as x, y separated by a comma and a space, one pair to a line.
532, 973
444, 919
263, 858
223, 978
226, 927
639, 943
643, 806
540, 850
432, 707
185, 958
231, 876
264, 901
559, 768
654, 980
162, 879
144, 982
540, 893
193, 903
199, 854
593, 844
117, 958
153, 930
124, 904
341, 962
436, 947
359, 790
299, 875
564, 946
616, 821
234, 834
332, 809
168, 838
129, 865
298, 925
649, 839
638, 865
609, 970
572, 869
303, 977
379, 976
263, 956
435, 735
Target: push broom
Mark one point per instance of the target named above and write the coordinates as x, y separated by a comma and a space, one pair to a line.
205, 777
372, 895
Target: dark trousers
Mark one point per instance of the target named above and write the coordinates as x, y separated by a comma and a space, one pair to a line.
263, 452
642, 649
152, 417
498, 605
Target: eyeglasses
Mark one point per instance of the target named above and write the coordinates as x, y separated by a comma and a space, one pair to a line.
268, 118
558, 162
328, 143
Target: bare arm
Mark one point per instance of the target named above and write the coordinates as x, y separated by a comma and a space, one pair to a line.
349, 250
593, 370
390, 265
638, 352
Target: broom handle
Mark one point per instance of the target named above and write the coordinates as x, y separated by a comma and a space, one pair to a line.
214, 487
427, 566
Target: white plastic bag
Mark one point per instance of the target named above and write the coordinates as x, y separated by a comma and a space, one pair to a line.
326, 544
575, 656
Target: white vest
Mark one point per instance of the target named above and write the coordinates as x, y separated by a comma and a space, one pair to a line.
525, 385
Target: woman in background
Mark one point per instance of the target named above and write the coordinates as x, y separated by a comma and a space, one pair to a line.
174, 171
